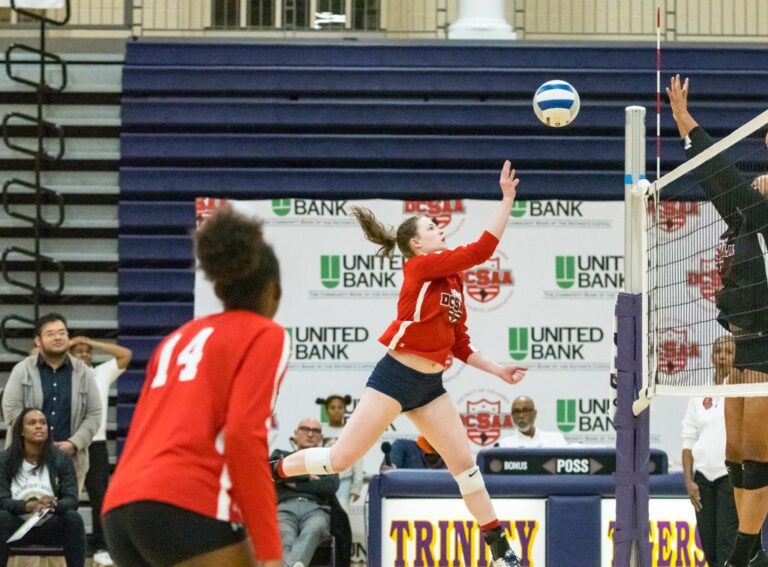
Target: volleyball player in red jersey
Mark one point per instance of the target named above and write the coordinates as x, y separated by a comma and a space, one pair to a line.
430, 325
196, 459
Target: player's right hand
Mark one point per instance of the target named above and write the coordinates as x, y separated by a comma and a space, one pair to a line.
507, 181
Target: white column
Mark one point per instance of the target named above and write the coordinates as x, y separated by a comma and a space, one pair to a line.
481, 19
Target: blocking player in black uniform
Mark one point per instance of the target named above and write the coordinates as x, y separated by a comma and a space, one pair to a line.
742, 261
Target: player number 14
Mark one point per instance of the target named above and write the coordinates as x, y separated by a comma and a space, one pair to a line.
188, 359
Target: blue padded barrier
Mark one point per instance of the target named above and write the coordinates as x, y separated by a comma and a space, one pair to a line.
131, 383
147, 283
224, 149
158, 317
506, 83
124, 416
141, 345
154, 248
441, 54
251, 183
164, 216
573, 525
172, 113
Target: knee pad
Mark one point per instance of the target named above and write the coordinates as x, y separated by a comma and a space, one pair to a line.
317, 460
735, 474
755, 475
470, 481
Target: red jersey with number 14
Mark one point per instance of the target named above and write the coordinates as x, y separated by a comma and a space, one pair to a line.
198, 439
431, 316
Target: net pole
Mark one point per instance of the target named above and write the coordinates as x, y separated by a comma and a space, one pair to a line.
630, 540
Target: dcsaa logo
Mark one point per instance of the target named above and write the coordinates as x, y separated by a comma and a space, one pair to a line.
483, 418
204, 208
706, 279
675, 349
440, 211
672, 216
486, 282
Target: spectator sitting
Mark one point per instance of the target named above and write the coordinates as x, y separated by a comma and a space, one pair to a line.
97, 479
62, 386
410, 454
526, 434
351, 480
34, 475
304, 503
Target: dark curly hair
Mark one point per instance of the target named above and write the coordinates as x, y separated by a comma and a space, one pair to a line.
231, 249
16, 450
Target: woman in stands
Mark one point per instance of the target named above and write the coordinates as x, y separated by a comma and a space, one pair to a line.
430, 326
743, 310
196, 458
34, 476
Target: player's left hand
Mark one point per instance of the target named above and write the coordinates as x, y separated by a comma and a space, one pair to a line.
512, 374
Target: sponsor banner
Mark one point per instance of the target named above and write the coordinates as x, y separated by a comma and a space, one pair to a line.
673, 533
338, 297
440, 531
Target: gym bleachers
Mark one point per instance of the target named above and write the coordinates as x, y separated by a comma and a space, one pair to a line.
398, 120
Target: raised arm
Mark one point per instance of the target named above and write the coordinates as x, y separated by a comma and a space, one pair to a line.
122, 355
723, 184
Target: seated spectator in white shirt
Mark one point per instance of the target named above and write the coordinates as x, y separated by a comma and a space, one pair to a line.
526, 434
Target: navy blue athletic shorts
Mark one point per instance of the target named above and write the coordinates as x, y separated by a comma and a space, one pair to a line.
411, 388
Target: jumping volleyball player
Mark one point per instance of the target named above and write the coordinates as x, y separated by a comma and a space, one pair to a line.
430, 324
196, 458
742, 259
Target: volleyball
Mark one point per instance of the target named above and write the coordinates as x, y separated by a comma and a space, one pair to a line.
556, 103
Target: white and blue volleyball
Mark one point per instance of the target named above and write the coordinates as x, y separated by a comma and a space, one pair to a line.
556, 103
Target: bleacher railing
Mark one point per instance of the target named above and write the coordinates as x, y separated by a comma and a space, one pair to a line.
682, 20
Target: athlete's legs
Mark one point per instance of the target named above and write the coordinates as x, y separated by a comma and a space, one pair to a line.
734, 416
365, 426
754, 451
440, 423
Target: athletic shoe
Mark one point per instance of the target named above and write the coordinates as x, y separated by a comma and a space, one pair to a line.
102, 558
759, 560
509, 560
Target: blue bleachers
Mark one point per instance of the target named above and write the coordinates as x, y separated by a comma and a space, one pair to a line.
341, 120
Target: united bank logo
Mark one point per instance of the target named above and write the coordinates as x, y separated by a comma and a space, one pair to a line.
484, 416
308, 207
558, 347
584, 415
589, 272
316, 347
490, 284
676, 349
551, 209
359, 272
706, 279
443, 212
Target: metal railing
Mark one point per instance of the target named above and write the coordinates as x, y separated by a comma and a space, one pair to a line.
682, 20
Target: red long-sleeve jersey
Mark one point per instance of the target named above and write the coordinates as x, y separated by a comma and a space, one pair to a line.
431, 315
198, 438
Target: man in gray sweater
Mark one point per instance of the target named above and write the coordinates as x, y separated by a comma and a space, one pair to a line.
303, 503
63, 386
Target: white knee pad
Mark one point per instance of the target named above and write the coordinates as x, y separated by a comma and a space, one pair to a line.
470, 481
317, 460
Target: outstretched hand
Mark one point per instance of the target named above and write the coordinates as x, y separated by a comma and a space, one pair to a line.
512, 374
507, 181
678, 96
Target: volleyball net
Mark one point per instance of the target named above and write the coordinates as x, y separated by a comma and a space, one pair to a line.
703, 232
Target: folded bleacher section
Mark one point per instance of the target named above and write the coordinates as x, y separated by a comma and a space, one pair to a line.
348, 120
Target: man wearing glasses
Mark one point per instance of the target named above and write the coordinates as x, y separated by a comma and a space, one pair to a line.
526, 433
304, 503
63, 386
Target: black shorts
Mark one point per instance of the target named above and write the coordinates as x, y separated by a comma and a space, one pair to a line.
154, 534
751, 352
411, 388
